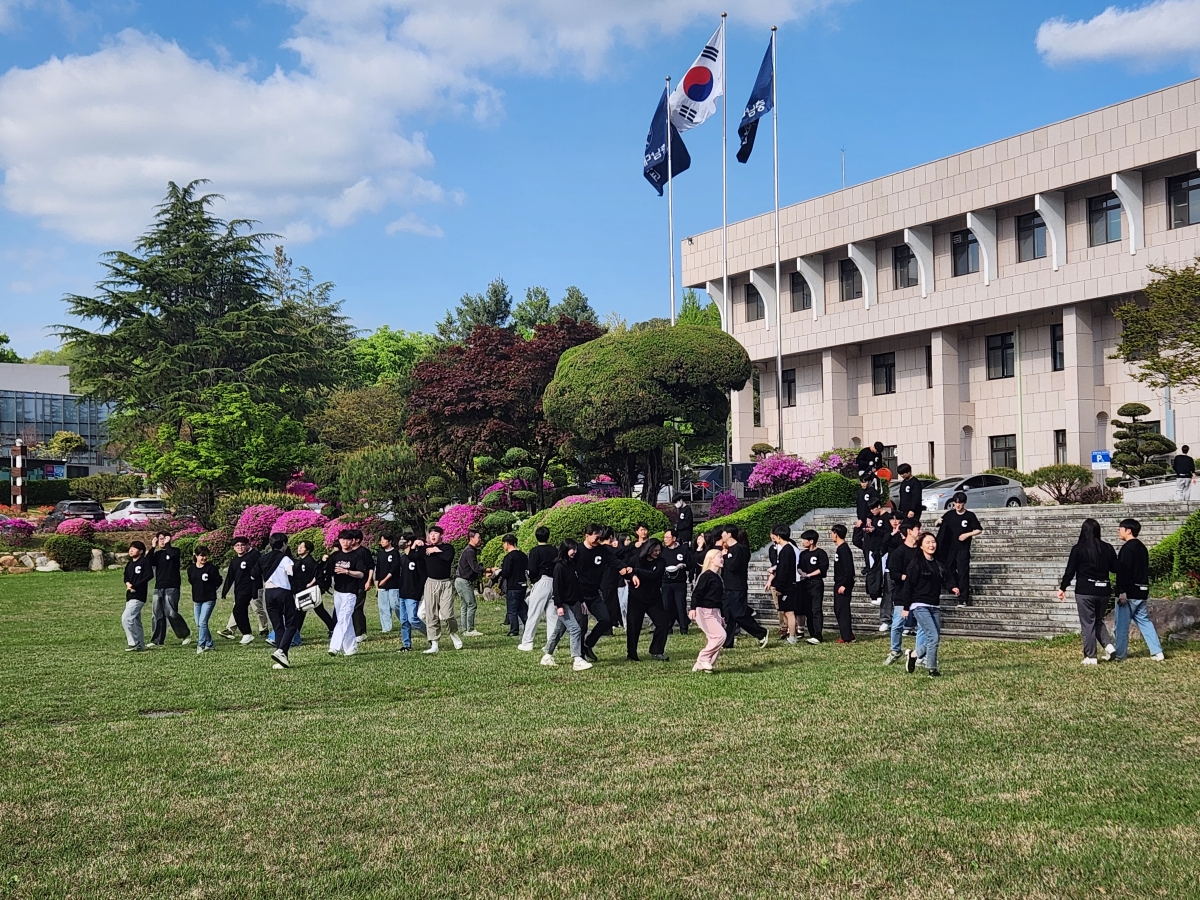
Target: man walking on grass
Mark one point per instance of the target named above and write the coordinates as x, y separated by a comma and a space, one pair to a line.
137, 577
164, 559
388, 567
345, 566
959, 526
244, 578
436, 558
466, 576
542, 559
513, 572
675, 557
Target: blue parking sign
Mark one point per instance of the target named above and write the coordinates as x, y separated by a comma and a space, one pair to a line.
1101, 459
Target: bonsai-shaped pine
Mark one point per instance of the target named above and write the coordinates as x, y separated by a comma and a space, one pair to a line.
1137, 443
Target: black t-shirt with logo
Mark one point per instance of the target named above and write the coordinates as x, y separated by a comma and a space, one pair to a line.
679, 555
590, 564
814, 560
205, 580
955, 524
166, 567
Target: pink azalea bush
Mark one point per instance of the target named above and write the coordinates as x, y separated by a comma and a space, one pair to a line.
507, 486
80, 528
724, 504
778, 472
257, 522
371, 528
575, 499
191, 529
458, 519
296, 520
16, 532
171, 524
300, 487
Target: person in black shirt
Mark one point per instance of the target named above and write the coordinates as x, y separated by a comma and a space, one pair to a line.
925, 578
592, 560
1089, 565
164, 559
734, 543
542, 559
411, 585
307, 571
784, 579
813, 564
645, 599
898, 559
682, 521
843, 582
869, 459
466, 576
345, 568
205, 579
513, 572
675, 557
277, 568
707, 599
1133, 589
366, 562
1185, 471
773, 560
437, 560
868, 501
569, 606
876, 538
137, 576
244, 578
388, 565
611, 577
911, 503
954, 537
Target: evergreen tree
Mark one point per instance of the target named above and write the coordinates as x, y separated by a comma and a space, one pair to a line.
574, 305
492, 309
7, 353
692, 313
1137, 442
533, 311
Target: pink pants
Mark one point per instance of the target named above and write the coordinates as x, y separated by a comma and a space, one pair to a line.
713, 626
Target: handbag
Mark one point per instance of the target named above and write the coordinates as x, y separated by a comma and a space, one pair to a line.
421, 610
309, 598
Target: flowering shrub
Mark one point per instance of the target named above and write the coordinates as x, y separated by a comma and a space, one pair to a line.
256, 523
576, 498
16, 532
80, 528
371, 528
298, 487
296, 520
192, 529
507, 487
779, 472
724, 504
458, 519
219, 541
605, 487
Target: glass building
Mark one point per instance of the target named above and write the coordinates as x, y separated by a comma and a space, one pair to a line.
35, 402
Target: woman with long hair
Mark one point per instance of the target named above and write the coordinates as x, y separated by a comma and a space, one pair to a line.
645, 599
277, 567
707, 596
1088, 566
925, 579
569, 605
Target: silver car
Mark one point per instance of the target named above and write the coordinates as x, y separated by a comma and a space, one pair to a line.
982, 491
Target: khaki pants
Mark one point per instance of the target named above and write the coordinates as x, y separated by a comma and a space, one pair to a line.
439, 607
258, 606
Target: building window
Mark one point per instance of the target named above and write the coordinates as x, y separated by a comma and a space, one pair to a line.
1104, 220
851, 279
1058, 359
883, 373
1031, 238
904, 264
928, 365
1060, 447
756, 386
964, 253
1004, 451
1184, 193
890, 460
789, 387
801, 295
755, 308
1000, 356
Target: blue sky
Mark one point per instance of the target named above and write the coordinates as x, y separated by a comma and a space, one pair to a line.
411, 150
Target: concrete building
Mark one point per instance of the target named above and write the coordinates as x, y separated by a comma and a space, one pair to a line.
962, 311
35, 402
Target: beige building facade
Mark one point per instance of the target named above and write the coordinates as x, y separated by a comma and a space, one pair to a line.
962, 311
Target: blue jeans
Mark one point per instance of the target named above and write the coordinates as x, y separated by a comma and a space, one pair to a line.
570, 623
1135, 609
409, 620
202, 613
929, 633
389, 602
899, 623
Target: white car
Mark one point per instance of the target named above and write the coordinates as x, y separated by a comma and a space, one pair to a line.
983, 490
138, 510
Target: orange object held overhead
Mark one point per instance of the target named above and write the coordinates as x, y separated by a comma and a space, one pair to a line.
884, 474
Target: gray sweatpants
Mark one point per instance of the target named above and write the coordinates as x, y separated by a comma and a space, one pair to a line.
1091, 623
131, 621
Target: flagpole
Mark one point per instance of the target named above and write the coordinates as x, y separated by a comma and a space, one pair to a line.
670, 201
778, 285
725, 301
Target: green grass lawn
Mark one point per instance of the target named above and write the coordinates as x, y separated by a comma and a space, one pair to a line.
794, 772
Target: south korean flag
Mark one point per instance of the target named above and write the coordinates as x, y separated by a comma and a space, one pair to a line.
695, 98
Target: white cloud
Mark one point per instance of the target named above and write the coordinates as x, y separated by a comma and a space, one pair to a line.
411, 223
88, 143
1153, 34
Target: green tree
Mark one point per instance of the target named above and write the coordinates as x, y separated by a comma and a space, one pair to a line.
1161, 340
574, 305
493, 308
692, 313
62, 356
354, 419
387, 356
533, 311
394, 478
7, 353
624, 397
66, 444
1137, 443
196, 306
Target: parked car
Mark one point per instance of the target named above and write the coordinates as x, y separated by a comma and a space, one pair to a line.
135, 509
711, 481
75, 509
981, 490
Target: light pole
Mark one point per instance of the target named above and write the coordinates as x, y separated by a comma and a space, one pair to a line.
20, 499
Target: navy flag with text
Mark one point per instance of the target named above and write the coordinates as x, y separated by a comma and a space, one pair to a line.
760, 103
655, 168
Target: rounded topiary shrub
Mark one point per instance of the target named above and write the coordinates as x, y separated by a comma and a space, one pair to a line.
186, 546
492, 552
315, 536
80, 528
497, 523
622, 514
68, 551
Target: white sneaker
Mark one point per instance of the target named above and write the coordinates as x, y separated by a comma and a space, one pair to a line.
456, 641
812, 640
1158, 657
472, 633
1110, 651
762, 645
185, 642
199, 651
277, 666
246, 639
884, 627
791, 639
581, 664
877, 601
433, 648
525, 648
548, 660
1089, 661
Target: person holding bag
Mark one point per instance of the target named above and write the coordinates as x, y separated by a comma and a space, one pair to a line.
1089, 564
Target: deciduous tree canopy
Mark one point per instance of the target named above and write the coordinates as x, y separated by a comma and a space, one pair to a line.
1161, 340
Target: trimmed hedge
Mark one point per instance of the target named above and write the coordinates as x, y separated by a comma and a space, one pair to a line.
492, 552
187, 550
827, 490
1178, 554
38, 493
69, 552
315, 536
620, 513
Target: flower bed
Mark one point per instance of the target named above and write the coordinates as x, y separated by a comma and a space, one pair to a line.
779, 472
16, 532
80, 528
257, 522
457, 520
724, 504
297, 520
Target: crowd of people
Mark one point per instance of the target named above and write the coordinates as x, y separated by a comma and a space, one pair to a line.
588, 588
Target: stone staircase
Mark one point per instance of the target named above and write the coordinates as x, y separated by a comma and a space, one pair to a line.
1015, 567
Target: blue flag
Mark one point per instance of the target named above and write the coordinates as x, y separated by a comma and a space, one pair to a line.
655, 168
761, 102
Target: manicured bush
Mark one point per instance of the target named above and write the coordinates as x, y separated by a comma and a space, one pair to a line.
186, 546
1025, 479
231, 506
459, 518
371, 528
38, 493
68, 551
725, 503
106, 486
256, 523
497, 523
80, 528
219, 542
492, 552
1062, 482
296, 520
621, 513
16, 532
315, 536
1098, 493
780, 472
826, 491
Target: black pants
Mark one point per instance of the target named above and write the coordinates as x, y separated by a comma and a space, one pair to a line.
281, 607
841, 611
518, 609
241, 612
812, 605
674, 599
876, 575
327, 618
737, 613
639, 608
958, 564
359, 619
598, 607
